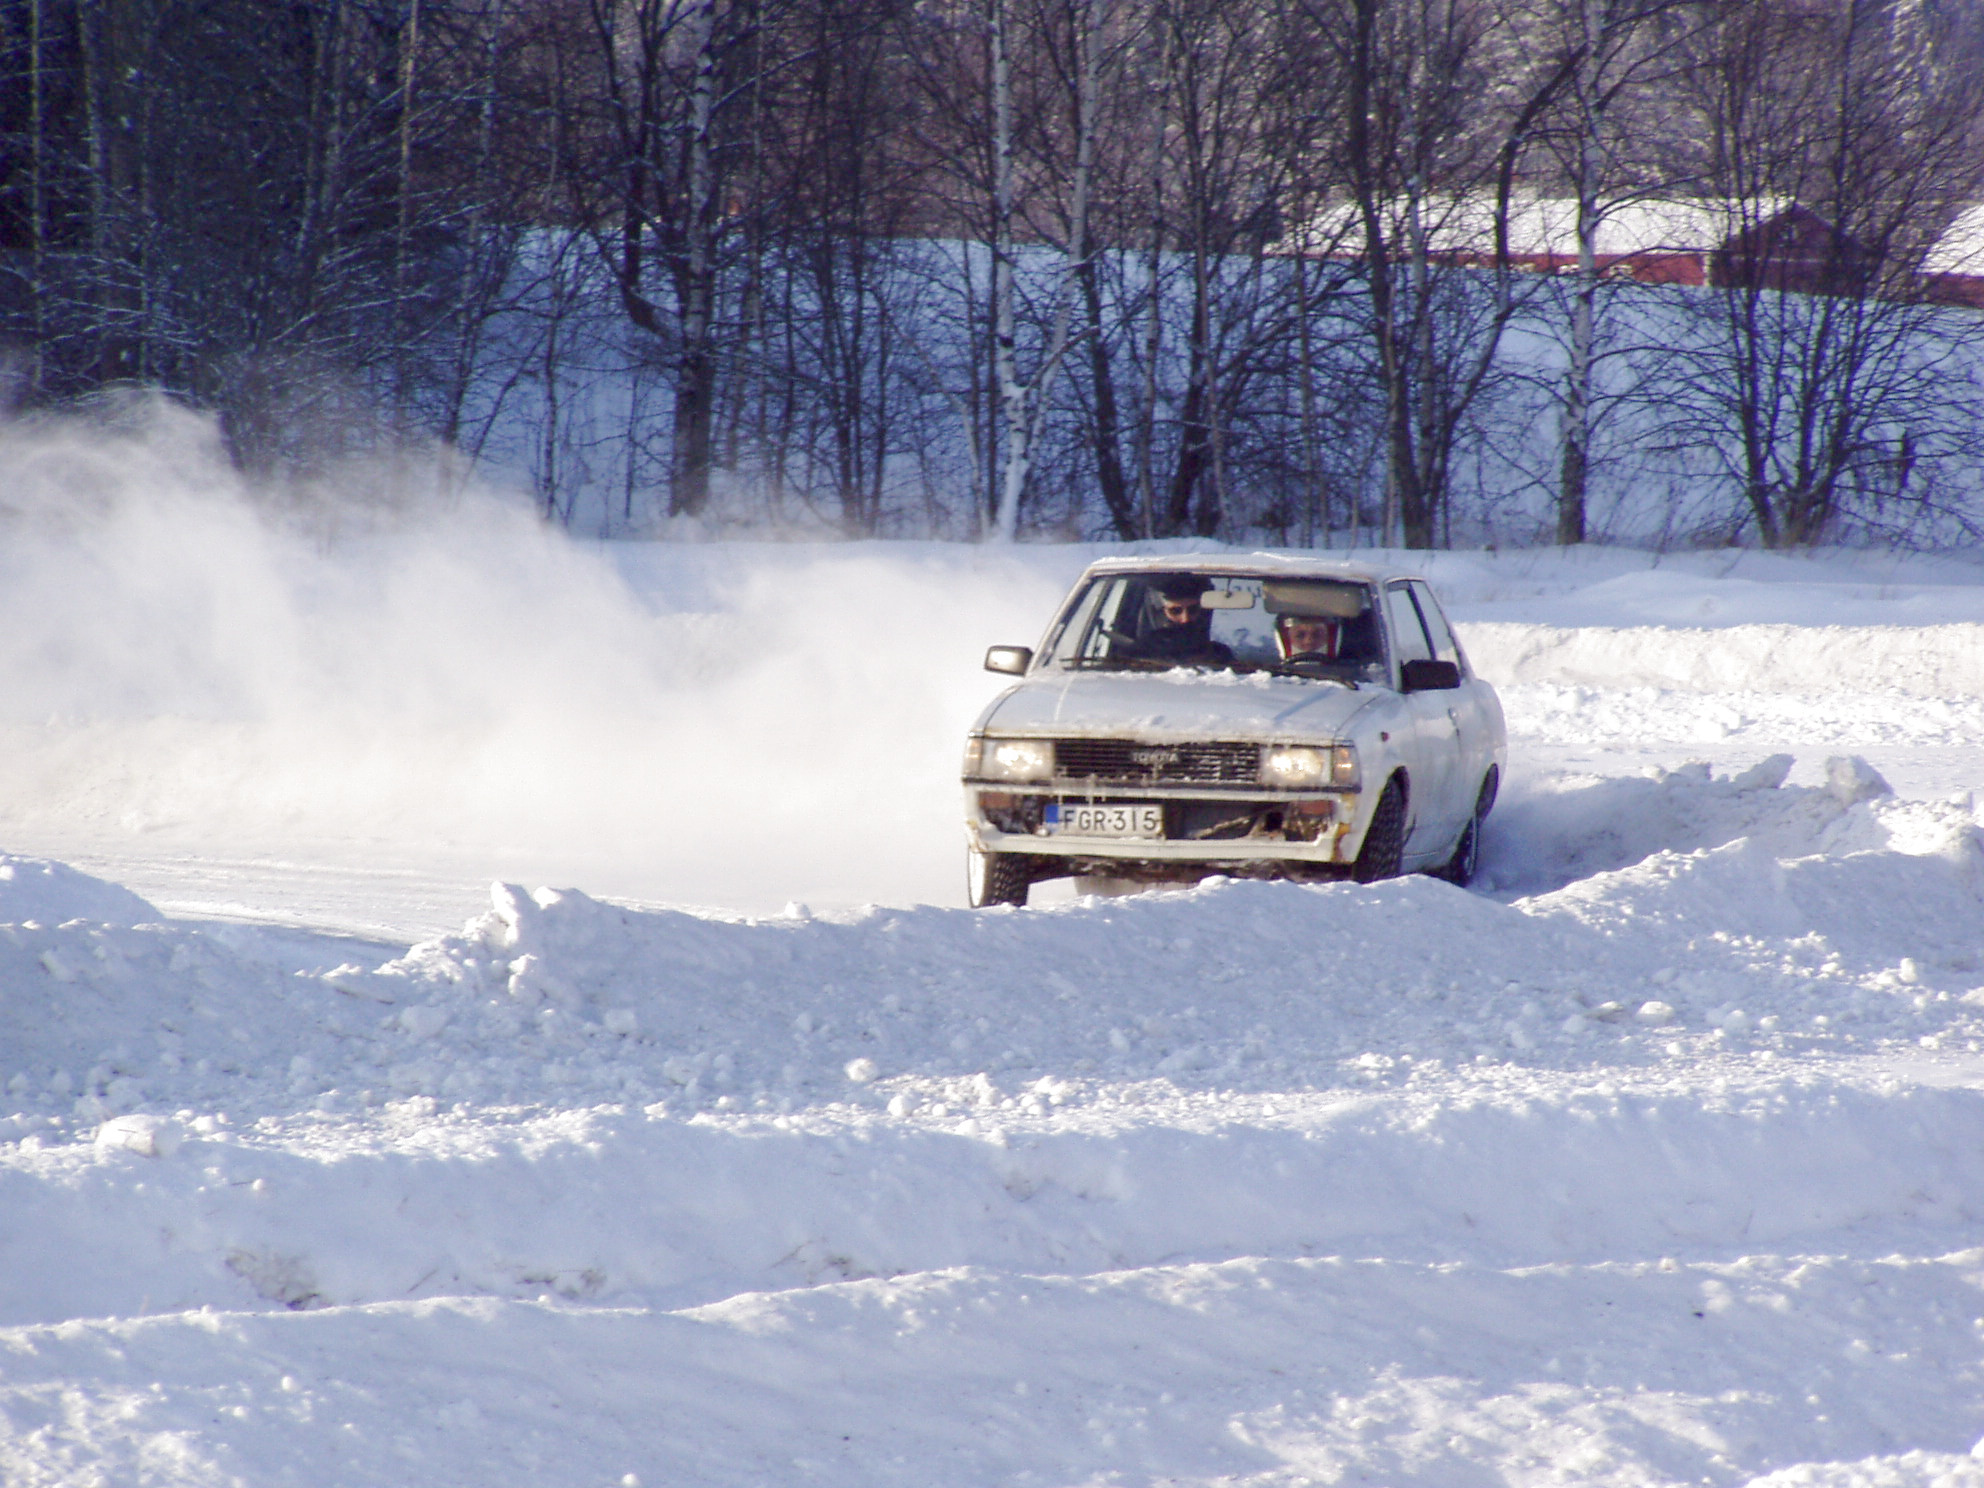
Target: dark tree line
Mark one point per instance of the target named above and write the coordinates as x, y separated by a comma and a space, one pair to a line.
1147, 267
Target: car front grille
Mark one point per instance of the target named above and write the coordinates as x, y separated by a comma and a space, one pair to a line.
1130, 762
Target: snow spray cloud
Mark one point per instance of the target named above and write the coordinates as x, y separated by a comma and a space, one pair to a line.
731, 724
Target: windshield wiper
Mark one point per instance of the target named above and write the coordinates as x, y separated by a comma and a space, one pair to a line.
1095, 663
1307, 670
1127, 664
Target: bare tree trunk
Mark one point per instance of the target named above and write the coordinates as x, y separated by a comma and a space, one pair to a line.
108, 65
695, 395
1362, 153
1575, 466
1419, 498
1106, 435
1024, 402
753, 352
1153, 345
1195, 445
1575, 463
1089, 18
409, 62
38, 285
1153, 338
1012, 400
1078, 258
402, 371
1315, 505
477, 266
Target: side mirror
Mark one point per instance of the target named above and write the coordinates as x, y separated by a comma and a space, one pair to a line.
1424, 676
1012, 659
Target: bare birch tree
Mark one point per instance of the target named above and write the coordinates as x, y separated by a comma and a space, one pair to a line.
1838, 142
1604, 145
1438, 113
657, 88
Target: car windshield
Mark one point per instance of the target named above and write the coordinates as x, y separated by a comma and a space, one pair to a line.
1324, 628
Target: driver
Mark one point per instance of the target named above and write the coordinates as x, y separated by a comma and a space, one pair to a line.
1308, 637
1177, 627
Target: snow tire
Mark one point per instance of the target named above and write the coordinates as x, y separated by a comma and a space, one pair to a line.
1384, 839
997, 878
1459, 869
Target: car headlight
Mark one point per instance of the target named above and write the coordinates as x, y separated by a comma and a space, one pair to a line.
1292, 768
1016, 759
1298, 766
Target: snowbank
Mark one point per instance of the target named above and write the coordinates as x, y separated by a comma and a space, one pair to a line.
1926, 661
555, 997
35, 890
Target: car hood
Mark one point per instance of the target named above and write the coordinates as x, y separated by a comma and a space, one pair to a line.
1178, 705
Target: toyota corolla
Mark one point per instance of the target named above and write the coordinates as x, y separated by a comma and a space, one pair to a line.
1261, 717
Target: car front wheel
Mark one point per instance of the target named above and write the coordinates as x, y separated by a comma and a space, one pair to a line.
1384, 839
997, 878
1459, 869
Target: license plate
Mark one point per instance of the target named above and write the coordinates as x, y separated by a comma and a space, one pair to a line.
1105, 821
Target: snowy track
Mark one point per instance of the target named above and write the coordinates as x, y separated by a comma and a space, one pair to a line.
1655, 1160
1256, 1371
632, 1211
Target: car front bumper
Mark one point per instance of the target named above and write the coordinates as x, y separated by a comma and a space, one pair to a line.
1240, 831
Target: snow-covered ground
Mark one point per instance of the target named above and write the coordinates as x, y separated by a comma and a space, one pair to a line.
1658, 1159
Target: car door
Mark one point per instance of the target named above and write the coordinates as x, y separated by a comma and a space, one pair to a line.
1467, 706
1433, 757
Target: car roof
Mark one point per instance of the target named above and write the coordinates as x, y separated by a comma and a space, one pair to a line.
1294, 565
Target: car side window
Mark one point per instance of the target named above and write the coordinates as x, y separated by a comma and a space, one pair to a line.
1080, 636
1409, 641
1445, 647
1067, 624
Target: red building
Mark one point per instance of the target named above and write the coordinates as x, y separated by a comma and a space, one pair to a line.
1784, 245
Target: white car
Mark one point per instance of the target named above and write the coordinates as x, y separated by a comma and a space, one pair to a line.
1260, 717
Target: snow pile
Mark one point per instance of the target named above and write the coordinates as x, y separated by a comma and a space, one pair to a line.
555, 998
38, 891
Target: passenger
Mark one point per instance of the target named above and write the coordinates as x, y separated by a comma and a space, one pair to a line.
1308, 637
